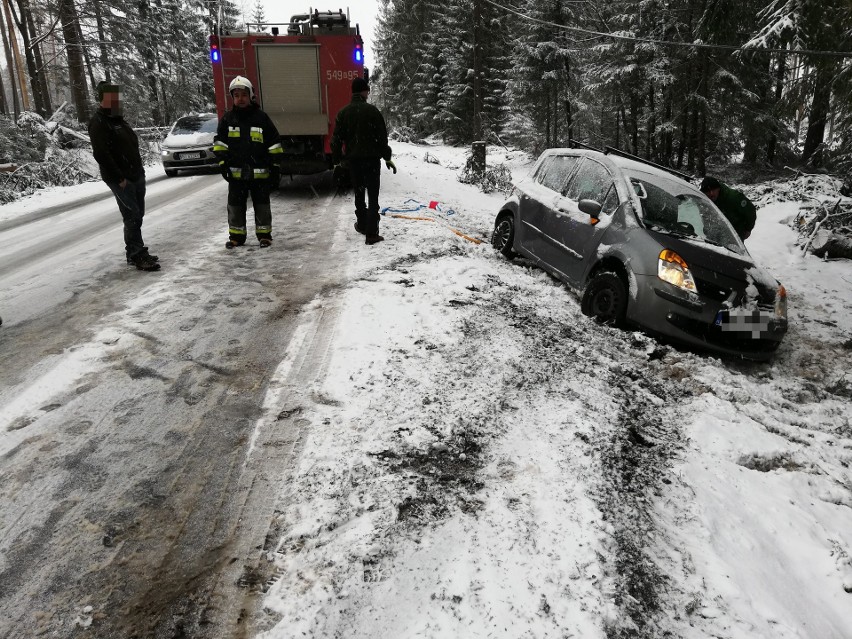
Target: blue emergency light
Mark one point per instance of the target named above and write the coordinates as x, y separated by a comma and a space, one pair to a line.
214, 52
359, 53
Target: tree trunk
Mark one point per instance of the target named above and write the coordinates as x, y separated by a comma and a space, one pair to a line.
104, 54
634, 123
701, 140
812, 153
23, 20
3, 108
668, 136
41, 68
16, 54
73, 50
755, 133
780, 72
87, 59
10, 65
650, 138
569, 118
617, 126
547, 124
147, 51
692, 136
623, 113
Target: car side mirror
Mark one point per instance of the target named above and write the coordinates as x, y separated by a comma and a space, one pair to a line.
590, 208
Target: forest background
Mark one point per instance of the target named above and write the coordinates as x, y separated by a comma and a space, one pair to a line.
686, 83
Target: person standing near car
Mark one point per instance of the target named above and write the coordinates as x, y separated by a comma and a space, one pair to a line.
735, 206
249, 149
116, 150
361, 138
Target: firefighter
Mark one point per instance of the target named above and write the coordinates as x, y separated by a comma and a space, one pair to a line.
361, 138
249, 149
116, 150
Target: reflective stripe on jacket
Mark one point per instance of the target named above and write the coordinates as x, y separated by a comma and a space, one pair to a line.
248, 143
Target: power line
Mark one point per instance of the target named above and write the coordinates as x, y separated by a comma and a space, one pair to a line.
692, 45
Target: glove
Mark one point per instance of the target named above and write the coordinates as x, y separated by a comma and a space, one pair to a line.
226, 172
391, 165
340, 174
275, 176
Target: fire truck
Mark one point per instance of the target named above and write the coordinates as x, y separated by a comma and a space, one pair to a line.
302, 74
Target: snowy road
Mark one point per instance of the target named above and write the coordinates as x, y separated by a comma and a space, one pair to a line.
134, 476
414, 439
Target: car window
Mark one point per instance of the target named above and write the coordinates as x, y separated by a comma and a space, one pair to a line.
593, 182
683, 213
556, 171
610, 202
195, 124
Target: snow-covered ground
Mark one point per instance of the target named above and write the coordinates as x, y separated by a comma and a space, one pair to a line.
482, 460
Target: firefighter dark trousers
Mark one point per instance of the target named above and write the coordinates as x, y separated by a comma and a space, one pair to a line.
238, 192
366, 174
131, 204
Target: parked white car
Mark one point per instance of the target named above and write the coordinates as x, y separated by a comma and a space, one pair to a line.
189, 144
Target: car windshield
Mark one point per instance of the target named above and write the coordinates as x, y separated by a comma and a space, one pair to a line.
671, 208
195, 124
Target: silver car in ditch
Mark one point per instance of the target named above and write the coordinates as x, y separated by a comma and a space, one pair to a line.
189, 144
643, 247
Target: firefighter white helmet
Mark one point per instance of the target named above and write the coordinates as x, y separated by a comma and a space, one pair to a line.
241, 83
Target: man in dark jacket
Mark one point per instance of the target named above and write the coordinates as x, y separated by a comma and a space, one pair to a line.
734, 205
249, 150
116, 149
361, 137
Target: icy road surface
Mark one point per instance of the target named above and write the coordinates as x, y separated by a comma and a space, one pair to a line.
136, 485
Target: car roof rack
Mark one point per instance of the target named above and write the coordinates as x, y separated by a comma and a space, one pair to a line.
583, 145
613, 151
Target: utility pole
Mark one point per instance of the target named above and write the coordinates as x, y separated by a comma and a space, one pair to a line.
477, 69
478, 151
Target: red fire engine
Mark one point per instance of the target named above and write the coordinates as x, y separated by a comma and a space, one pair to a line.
301, 77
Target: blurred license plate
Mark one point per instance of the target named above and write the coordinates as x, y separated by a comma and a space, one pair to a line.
751, 323
190, 156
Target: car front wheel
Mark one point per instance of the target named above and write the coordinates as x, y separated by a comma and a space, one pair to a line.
504, 235
605, 299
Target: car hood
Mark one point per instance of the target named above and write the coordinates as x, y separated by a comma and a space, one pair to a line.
721, 274
186, 140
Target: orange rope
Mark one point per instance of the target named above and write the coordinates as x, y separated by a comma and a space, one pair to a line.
431, 219
412, 217
467, 237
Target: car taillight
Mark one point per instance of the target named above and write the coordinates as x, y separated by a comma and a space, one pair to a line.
672, 268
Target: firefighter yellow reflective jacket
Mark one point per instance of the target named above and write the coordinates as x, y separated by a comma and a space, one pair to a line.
247, 143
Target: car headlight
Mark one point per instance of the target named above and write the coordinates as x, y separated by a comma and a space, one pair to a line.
672, 268
781, 302
165, 151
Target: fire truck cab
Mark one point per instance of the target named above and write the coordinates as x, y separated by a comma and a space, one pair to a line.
302, 74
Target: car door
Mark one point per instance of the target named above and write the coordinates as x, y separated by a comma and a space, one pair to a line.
537, 209
576, 234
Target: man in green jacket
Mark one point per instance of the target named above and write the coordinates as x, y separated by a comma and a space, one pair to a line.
734, 205
361, 137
